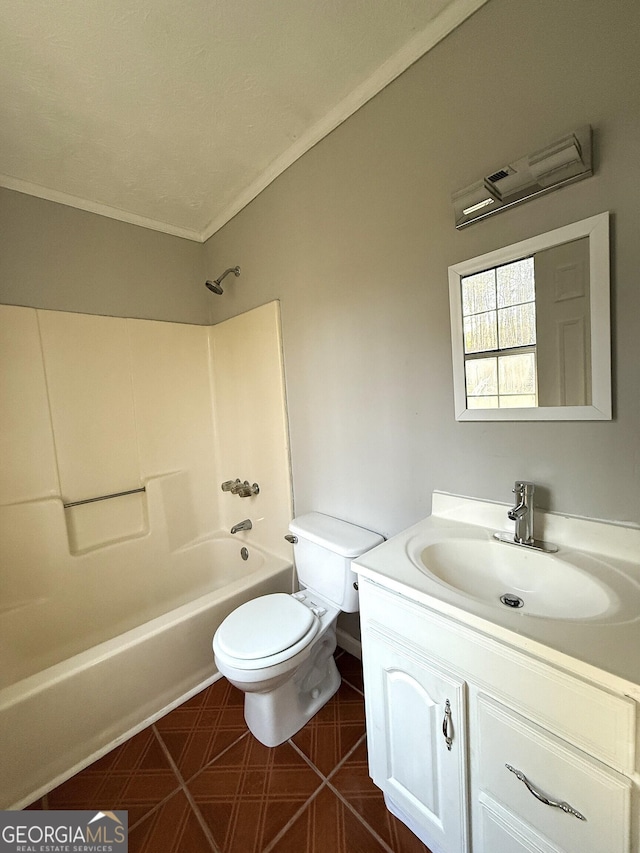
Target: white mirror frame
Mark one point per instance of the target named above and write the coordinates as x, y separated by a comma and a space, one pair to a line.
597, 229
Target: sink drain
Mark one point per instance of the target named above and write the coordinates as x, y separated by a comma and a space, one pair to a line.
510, 600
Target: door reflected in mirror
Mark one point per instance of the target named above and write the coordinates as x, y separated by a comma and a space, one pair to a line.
530, 328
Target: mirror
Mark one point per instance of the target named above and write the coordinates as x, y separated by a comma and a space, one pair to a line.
530, 328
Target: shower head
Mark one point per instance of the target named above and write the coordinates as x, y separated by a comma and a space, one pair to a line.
214, 286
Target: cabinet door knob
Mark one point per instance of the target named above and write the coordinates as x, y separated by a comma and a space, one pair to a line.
447, 725
556, 804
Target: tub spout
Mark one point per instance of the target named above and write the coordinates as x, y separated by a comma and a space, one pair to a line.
242, 525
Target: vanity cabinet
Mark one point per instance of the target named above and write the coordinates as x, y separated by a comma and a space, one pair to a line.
584, 806
416, 733
541, 760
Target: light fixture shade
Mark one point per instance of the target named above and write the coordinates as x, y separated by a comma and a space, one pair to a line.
565, 153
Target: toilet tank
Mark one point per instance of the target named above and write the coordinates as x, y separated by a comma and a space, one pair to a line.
323, 554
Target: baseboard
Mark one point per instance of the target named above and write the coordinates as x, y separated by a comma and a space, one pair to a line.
349, 643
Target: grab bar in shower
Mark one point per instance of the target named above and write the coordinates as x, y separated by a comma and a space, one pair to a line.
104, 497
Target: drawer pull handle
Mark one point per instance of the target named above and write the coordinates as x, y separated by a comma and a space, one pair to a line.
447, 725
556, 804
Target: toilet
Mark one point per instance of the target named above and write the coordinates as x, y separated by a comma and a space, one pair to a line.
279, 648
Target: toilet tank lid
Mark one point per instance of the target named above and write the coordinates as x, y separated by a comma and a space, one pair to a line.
341, 537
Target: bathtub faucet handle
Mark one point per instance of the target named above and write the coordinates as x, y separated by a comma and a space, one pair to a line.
229, 485
245, 490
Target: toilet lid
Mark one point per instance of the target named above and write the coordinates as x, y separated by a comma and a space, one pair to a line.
264, 626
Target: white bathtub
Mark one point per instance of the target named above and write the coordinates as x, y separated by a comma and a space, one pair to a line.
69, 696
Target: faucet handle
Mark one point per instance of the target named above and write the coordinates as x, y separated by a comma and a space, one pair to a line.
245, 490
523, 487
229, 485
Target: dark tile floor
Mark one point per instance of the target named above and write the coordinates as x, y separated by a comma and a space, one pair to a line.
198, 781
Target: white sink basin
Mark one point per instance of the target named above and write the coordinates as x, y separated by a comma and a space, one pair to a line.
509, 576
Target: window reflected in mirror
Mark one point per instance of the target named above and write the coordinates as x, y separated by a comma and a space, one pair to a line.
499, 320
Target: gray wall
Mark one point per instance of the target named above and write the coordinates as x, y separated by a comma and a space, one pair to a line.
58, 257
355, 240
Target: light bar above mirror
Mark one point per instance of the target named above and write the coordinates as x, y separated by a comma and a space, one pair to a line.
565, 161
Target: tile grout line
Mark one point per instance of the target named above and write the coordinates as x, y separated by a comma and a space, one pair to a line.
213, 760
187, 792
163, 800
264, 798
307, 759
236, 805
317, 769
293, 819
356, 814
346, 756
325, 784
156, 808
352, 686
344, 800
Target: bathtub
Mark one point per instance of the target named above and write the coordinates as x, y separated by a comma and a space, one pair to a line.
68, 697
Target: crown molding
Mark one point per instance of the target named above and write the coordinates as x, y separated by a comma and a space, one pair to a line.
444, 23
29, 188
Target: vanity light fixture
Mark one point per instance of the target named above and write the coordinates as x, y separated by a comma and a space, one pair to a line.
473, 198
564, 161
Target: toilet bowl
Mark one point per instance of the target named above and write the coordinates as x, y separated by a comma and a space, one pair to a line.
284, 687
278, 649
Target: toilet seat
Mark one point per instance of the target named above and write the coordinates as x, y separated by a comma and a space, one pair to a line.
265, 631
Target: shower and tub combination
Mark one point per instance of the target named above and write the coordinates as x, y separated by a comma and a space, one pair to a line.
107, 607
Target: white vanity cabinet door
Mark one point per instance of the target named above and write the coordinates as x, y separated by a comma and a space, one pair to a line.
514, 756
412, 708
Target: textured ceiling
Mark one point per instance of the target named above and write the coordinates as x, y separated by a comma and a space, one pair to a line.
174, 115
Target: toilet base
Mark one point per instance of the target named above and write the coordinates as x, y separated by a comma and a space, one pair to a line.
277, 715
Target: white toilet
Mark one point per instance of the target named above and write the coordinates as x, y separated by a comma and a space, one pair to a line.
279, 648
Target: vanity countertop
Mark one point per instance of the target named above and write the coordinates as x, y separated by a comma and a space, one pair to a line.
604, 648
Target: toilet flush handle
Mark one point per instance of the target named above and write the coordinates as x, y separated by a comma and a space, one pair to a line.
291, 538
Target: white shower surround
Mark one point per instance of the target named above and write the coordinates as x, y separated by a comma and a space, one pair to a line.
107, 610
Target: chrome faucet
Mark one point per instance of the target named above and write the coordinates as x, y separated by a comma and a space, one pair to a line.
242, 525
522, 513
